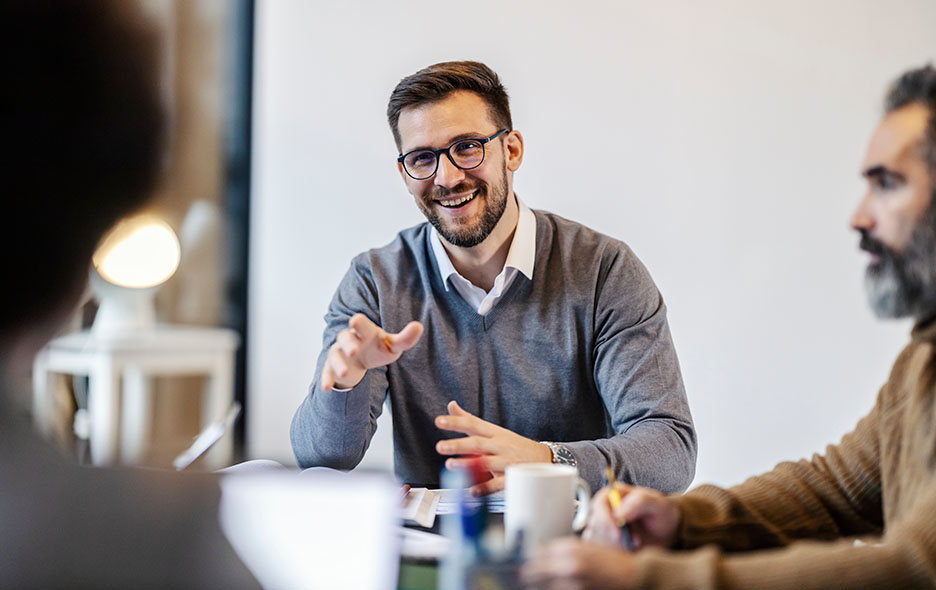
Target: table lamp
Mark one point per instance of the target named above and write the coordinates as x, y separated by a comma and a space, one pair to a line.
134, 259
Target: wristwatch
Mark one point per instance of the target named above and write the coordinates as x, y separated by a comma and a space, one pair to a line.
561, 455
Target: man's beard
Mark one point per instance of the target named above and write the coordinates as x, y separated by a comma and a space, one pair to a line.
904, 284
471, 232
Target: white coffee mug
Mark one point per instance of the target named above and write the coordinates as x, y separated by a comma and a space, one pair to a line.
540, 505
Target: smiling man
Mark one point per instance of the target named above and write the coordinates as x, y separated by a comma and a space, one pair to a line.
879, 481
496, 330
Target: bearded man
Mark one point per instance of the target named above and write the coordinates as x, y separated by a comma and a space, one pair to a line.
538, 338
796, 526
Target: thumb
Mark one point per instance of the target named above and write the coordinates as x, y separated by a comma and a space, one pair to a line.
406, 338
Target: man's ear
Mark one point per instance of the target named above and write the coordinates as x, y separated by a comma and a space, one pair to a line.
514, 148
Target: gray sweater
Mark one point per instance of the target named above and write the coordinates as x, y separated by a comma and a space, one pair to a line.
581, 354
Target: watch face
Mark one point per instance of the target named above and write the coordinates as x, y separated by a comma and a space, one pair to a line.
562, 455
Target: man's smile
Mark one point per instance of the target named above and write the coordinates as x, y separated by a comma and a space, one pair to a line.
458, 201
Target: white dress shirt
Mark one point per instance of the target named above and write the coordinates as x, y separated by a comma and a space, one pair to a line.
520, 258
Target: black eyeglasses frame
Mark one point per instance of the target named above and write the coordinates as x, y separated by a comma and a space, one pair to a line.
448, 154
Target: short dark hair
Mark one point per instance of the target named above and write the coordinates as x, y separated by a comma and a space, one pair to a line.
437, 81
918, 86
83, 119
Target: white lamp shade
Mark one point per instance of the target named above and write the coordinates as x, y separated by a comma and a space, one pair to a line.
138, 253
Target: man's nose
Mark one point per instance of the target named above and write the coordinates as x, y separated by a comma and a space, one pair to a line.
448, 174
861, 218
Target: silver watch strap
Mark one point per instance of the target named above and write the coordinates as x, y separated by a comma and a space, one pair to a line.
560, 453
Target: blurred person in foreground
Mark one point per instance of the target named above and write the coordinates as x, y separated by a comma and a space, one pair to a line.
84, 128
795, 526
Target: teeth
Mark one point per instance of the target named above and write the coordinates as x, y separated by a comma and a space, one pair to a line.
455, 202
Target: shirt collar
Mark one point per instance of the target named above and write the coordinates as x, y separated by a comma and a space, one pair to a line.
521, 255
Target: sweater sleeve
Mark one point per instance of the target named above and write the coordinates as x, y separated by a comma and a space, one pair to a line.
637, 374
334, 428
906, 558
833, 495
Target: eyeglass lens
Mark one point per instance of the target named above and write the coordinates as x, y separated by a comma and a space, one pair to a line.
465, 154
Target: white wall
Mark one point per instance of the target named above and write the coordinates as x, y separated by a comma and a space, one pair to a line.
720, 139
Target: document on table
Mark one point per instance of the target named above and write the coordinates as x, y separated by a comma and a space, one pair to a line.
448, 501
419, 507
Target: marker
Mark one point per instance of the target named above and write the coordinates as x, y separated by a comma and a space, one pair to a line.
614, 498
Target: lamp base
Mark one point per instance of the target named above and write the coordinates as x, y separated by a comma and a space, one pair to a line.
122, 309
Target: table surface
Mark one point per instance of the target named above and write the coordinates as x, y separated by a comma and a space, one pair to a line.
418, 576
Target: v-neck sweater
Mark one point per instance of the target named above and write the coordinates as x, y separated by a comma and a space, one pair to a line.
581, 354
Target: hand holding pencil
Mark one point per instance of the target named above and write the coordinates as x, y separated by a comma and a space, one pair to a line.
632, 517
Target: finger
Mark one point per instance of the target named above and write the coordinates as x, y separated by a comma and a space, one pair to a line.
466, 424
495, 484
600, 508
469, 445
328, 377
602, 527
639, 502
349, 343
624, 488
338, 362
494, 463
405, 339
456, 410
364, 328
471, 463
333, 369
601, 495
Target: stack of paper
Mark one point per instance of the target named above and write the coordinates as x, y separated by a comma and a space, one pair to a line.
448, 501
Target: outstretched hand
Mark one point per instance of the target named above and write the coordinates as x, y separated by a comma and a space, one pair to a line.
361, 346
496, 447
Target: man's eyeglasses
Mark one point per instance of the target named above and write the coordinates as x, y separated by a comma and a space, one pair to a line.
464, 154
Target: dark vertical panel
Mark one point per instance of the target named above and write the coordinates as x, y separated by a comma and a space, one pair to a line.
237, 189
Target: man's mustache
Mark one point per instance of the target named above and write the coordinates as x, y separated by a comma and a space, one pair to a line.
869, 244
440, 193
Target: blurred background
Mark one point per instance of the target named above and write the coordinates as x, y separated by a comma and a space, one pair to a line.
204, 197
721, 139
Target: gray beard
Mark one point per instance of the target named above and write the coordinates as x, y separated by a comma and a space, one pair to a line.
904, 285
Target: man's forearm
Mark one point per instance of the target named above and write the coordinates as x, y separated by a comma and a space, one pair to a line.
658, 454
803, 565
332, 428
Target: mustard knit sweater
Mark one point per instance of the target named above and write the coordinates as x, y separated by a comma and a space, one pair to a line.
794, 526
